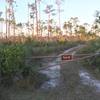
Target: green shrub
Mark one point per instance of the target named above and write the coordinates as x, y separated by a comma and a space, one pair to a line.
92, 47
12, 61
14, 58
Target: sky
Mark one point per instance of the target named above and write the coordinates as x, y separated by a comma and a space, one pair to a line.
83, 9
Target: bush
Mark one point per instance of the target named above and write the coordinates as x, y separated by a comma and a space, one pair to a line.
12, 61
92, 47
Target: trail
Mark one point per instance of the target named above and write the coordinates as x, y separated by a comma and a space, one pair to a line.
68, 81
76, 83
53, 72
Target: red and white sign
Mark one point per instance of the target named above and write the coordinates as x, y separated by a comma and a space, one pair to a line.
66, 57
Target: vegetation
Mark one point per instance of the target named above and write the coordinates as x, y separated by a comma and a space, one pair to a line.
11, 62
21, 43
93, 47
16, 59
48, 28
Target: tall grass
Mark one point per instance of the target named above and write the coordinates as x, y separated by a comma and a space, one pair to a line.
92, 47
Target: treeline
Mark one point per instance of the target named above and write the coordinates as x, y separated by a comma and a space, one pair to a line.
48, 27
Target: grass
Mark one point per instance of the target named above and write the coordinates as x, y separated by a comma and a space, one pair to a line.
92, 63
26, 91
74, 89
71, 89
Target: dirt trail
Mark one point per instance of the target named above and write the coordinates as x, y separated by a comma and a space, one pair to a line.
74, 89
70, 89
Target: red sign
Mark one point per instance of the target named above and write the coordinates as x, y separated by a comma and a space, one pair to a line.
66, 57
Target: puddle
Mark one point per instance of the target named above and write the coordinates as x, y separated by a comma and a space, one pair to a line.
53, 73
55, 79
88, 79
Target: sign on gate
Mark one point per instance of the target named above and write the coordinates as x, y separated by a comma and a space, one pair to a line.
66, 57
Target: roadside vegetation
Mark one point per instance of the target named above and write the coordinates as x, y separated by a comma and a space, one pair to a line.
93, 63
16, 61
19, 70
93, 47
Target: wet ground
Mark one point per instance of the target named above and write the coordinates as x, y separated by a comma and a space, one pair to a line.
68, 81
72, 80
79, 83
53, 72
